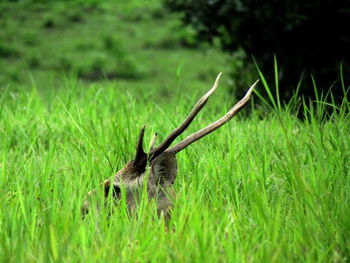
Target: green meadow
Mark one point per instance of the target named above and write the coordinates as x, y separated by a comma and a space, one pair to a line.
79, 79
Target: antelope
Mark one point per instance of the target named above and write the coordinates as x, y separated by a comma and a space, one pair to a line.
161, 163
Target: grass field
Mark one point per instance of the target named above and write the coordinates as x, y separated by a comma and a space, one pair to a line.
266, 187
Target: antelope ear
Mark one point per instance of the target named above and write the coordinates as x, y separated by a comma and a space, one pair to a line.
164, 168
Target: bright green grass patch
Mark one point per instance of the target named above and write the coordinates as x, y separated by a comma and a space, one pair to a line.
261, 190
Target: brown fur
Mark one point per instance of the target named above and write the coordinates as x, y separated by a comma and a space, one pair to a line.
162, 173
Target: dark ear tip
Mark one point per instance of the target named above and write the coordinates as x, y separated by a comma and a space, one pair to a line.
140, 161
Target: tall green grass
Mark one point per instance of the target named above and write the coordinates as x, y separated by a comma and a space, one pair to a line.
265, 188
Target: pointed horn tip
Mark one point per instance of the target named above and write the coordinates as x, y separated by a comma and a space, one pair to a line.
216, 84
253, 86
218, 77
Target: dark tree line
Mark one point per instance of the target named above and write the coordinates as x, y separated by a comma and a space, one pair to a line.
306, 36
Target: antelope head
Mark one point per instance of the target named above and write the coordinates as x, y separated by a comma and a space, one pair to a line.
160, 162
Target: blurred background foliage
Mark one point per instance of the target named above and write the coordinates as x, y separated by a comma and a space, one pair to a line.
169, 42
306, 36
